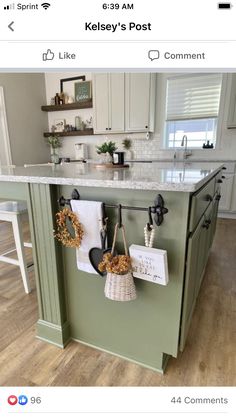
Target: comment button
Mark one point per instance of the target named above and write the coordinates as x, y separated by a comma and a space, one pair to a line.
153, 54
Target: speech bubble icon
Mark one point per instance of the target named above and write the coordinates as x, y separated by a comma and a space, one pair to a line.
153, 54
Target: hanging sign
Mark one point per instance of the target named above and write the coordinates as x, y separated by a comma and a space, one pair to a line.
149, 264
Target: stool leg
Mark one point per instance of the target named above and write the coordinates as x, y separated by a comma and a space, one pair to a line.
17, 231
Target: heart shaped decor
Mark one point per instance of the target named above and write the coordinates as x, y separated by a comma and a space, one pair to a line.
96, 256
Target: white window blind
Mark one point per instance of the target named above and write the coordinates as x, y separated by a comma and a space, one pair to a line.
193, 97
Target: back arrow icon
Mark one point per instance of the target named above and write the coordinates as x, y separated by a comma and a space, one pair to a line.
10, 26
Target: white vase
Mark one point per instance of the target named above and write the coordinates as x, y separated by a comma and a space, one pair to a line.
55, 157
105, 158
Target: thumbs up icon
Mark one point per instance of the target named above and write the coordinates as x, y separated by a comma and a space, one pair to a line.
22, 400
48, 56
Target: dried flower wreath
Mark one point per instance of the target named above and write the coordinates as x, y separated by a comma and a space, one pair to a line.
62, 234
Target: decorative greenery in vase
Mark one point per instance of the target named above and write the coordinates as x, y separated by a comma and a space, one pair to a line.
127, 143
106, 151
54, 142
107, 148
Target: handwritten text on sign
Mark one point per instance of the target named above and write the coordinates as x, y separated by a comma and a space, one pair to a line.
149, 264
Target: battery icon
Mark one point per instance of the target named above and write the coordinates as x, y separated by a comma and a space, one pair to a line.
224, 5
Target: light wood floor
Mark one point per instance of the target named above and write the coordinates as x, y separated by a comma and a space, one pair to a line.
209, 358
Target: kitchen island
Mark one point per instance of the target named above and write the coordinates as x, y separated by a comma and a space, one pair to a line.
71, 303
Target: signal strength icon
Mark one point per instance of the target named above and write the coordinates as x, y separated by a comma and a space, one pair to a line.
45, 5
9, 7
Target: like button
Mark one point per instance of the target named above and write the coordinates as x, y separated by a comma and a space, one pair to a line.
22, 400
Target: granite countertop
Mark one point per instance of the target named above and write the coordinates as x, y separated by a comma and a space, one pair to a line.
178, 176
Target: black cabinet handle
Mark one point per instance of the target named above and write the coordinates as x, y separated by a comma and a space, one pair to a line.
106, 128
223, 177
224, 168
146, 126
218, 197
206, 224
219, 181
209, 198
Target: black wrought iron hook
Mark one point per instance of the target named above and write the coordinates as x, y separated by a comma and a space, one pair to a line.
119, 216
150, 222
104, 215
75, 195
159, 210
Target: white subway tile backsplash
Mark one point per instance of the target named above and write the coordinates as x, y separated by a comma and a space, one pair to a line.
141, 148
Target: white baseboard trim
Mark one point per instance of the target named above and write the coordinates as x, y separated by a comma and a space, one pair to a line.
227, 214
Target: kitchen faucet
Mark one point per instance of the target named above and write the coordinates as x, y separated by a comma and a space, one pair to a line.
185, 142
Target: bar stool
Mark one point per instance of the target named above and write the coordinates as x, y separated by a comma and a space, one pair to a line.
13, 212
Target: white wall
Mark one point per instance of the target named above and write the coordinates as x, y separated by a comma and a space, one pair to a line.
227, 137
5, 151
24, 94
142, 148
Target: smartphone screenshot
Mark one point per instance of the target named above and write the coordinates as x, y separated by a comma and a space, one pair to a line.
117, 209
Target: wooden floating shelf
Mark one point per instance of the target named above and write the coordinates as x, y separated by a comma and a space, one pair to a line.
70, 133
68, 106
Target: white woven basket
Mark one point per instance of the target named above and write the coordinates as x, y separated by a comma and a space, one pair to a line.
120, 287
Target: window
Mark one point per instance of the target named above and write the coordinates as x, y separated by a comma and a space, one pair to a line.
192, 109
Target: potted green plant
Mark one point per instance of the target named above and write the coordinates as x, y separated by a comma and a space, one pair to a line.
106, 151
55, 142
127, 144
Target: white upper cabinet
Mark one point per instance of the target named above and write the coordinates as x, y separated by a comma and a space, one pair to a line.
108, 102
227, 201
101, 102
117, 99
232, 104
226, 192
233, 201
140, 89
124, 103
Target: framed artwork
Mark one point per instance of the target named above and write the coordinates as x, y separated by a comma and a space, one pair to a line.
70, 79
59, 125
83, 91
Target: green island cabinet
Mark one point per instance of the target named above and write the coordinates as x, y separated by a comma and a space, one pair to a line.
72, 304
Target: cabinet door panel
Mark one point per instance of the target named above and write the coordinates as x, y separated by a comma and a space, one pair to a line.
202, 257
117, 103
138, 101
233, 203
226, 192
214, 220
199, 245
232, 118
232, 104
200, 202
101, 102
193, 267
